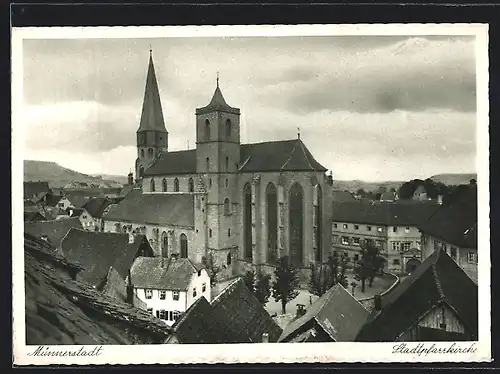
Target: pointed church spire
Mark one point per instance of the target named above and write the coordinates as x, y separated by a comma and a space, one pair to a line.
218, 102
152, 113
217, 78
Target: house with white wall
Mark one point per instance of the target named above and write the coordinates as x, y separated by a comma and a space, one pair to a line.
169, 286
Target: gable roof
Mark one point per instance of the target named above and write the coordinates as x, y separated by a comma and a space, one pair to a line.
437, 280
390, 214
455, 223
51, 200
339, 314
163, 273
152, 113
245, 318
218, 103
278, 156
342, 197
31, 188
62, 311
200, 325
96, 206
96, 251
54, 229
154, 208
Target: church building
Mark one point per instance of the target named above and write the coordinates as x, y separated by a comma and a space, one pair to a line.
245, 204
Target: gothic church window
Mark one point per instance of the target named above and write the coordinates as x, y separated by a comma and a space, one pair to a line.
150, 152
272, 223
184, 246
227, 207
228, 259
141, 172
152, 185
191, 185
247, 221
317, 222
228, 128
227, 163
164, 185
176, 185
207, 129
142, 153
296, 217
207, 163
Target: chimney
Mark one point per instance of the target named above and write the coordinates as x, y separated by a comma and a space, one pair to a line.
265, 337
130, 178
131, 238
130, 290
378, 302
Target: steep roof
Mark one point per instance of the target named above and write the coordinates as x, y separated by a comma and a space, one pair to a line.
163, 273
35, 187
385, 214
152, 113
52, 200
54, 229
437, 280
339, 314
217, 104
200, 325
96, 251
96, 206
245, 318
342, 197
154, 208
284, 155
62, 311
455, 223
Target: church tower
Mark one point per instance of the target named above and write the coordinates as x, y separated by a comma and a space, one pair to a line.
217, 160
152, 135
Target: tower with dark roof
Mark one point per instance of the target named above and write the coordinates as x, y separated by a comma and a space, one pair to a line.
152, 135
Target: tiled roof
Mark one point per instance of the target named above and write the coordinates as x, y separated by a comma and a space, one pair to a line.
78, 200
455, 223
245, 318
437, 280
339, 314
284, 155
31, 188
54, 229
385, 214
200, 325
96, 206
163, 273
96, 251
152, 113
33, 216
60, 310
52, 200
154, 208
217, 104
342, 197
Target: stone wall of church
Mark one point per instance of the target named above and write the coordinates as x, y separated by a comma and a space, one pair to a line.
183, 180
283, 183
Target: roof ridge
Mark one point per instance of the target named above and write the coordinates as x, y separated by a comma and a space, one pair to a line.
436, 275
225, 289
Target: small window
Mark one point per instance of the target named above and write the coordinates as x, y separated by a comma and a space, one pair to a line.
356, 227
203, 287
142, 153
210, 182
228, 258
345, 225
175, 295
395, 246
152, 185
227, 207
227, 182
191, 185
164, 185
228, 128
163, 314
355, 240
334, 225
407, 229
345, 240
395, 261
369, 228
171, 316
207, 164
471, 258
356, 257
228, 233
209, 233
199, 273
176, 314
149, 294
194, 292
406, 246
207, 129
380, 229
394, 229
227, 163
176, 185
150, 311
163, 295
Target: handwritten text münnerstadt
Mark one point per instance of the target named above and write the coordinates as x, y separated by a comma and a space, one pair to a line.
82, 351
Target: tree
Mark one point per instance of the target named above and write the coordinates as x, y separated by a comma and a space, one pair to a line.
360, 192
320, 279
370, 265
286, 283
249, 279
338, 266
262, 289
212, 269
325, 276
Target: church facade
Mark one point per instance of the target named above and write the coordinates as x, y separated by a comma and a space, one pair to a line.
244, 204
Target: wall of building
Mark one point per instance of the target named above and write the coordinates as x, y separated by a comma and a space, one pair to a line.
199, 282
401, 238
434, 319
173, 233
155, 304
466, 258
87, 221
170, 179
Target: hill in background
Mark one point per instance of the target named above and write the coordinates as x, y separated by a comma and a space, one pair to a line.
454, 179
58, 176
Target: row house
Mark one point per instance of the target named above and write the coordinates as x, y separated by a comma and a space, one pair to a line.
392, 227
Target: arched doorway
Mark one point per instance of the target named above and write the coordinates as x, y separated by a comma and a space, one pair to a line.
296, 224
247, 221
184, 246
412, 264
272, 223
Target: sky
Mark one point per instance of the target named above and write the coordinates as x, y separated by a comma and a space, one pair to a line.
368, 108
